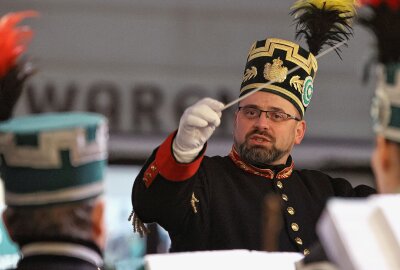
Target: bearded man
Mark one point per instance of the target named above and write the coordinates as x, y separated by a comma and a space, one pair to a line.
216, 203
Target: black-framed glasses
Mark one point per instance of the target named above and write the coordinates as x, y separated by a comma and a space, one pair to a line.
251, 113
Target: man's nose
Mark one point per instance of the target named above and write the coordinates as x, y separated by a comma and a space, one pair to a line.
263, 122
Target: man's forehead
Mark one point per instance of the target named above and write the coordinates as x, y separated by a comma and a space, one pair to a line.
267, 100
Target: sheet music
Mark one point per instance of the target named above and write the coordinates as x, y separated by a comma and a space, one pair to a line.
226, 259
362, 234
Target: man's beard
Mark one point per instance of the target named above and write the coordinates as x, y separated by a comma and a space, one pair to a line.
258, 155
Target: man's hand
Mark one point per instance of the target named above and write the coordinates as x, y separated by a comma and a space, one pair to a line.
196, 126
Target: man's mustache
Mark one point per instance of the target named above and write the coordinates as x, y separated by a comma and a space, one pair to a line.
262, 133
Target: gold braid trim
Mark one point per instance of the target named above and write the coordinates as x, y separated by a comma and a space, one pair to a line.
138, 225
292, 53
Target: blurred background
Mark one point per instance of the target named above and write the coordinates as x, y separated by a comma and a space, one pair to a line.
142, 62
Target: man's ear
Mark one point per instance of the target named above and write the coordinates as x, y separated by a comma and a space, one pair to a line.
98, 223
235, 119
300, 131
382, 151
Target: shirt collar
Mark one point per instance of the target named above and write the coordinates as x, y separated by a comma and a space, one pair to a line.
271, 171
62, 249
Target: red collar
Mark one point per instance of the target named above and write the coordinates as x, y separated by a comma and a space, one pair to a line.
267, 173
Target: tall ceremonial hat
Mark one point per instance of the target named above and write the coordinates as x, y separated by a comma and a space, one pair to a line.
269, 61
382, 18
53, 158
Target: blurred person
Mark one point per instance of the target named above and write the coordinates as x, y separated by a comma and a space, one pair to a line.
15, 69
385, 163
215, 203
53, 166
383, 21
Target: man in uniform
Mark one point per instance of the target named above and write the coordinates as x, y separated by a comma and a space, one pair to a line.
52, 166
14, 72
386, 114
214, 203
383, 22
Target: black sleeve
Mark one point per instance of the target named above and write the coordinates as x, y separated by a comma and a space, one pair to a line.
167, 202
343, 188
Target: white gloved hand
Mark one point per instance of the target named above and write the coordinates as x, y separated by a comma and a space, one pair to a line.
196, 126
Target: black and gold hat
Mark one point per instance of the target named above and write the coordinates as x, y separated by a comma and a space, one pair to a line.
270, 61
285, 68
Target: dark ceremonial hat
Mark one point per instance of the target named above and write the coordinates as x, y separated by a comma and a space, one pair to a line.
283, 67
268, 64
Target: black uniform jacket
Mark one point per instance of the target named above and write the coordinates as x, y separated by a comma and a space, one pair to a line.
216, 203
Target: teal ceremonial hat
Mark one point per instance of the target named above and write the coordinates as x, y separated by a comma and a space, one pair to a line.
53, 158
385, 108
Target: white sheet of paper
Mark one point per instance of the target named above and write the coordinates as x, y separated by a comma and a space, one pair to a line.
225, 259
355, 232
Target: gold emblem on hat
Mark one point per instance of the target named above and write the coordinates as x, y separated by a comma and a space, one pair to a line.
275, 71
297, 83
250, 73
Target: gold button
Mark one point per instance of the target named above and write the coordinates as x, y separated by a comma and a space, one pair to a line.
306, 252
284, 197
295, 227
148, 175
145, 180
279, 184
153, 168
298, 241
290, 210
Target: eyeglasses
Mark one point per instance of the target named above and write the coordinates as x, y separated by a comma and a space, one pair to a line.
276, 116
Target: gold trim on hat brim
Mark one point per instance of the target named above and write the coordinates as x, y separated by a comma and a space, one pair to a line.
277, 89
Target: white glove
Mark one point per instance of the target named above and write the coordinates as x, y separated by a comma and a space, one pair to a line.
196, 126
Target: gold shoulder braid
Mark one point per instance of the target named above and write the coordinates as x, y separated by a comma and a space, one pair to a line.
193, 202
138, 225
